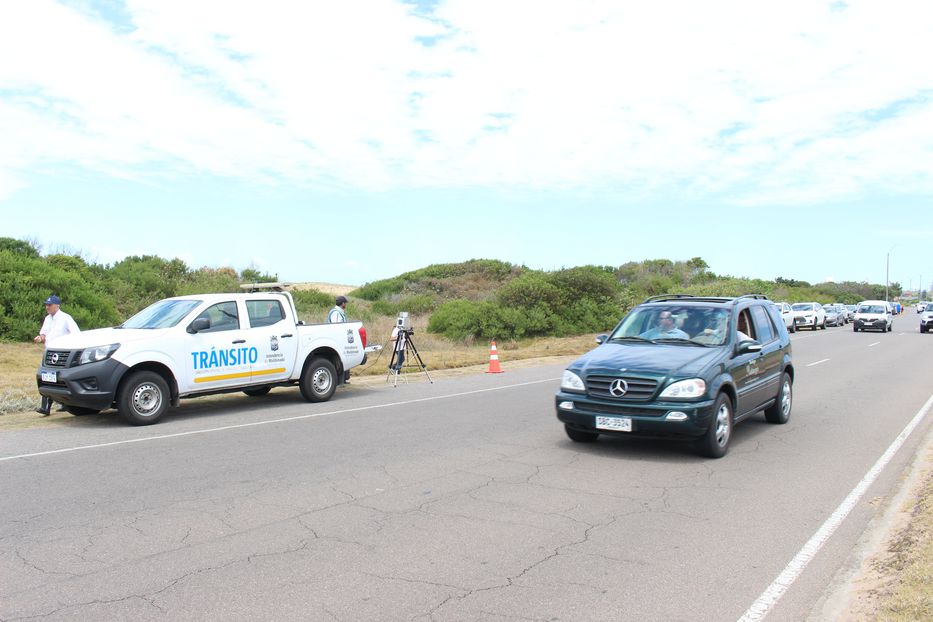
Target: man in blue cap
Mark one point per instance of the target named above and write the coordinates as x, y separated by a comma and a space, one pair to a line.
56, 324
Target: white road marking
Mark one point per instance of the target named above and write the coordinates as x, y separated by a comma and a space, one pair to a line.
794, 569
268, 421
817, 363
873, 344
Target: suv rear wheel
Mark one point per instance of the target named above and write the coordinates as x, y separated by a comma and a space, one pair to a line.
715, 443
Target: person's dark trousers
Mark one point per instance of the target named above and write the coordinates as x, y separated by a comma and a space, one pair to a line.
46, 406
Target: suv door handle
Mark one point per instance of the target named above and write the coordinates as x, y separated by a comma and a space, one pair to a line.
288, 335
240, 341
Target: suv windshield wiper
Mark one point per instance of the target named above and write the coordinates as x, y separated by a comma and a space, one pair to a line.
632, 338
683, 341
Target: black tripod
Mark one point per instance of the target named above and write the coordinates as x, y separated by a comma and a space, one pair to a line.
405, 350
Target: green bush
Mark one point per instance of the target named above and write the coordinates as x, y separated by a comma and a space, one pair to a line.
416, 305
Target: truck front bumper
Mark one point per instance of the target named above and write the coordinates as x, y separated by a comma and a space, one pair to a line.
93, 385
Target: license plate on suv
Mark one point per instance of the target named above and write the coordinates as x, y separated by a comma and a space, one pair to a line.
48, 376
616, 424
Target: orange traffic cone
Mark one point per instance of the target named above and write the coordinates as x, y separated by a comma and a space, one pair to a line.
493, 360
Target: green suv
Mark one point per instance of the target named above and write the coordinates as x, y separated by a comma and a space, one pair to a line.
682, 366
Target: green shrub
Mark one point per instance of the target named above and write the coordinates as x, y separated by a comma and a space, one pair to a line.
416, 305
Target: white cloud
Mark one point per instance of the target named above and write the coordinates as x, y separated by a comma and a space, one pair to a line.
742, 101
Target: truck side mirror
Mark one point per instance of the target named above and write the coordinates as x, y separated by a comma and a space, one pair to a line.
601, 339
199, 324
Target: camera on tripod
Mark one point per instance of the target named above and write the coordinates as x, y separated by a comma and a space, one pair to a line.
403, 323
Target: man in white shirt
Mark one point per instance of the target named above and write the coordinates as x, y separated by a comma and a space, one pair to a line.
339, 314
56, 324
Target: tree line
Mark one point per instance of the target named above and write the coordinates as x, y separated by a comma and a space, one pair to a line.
475, 299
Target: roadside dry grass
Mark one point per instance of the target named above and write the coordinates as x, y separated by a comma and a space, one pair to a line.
18, 361
895, 584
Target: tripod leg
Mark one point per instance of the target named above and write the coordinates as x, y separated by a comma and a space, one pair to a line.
414, 351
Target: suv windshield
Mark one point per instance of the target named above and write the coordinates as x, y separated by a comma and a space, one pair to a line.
674, 324
870, 309
803, 306
163, 314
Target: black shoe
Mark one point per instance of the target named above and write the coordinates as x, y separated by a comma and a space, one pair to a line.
44, 413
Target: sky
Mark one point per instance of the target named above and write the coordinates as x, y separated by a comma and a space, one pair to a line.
347, 142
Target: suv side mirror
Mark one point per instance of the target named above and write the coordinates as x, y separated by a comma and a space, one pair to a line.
199, 324
601, 339
749, 345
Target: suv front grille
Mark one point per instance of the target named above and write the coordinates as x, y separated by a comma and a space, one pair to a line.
638, 388
631, 411
57, 358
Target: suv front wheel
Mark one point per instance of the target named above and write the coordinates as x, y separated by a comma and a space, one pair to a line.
779, 412
715, 443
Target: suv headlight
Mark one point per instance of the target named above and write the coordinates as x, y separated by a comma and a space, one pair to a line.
689, 389
98, 353
572, 382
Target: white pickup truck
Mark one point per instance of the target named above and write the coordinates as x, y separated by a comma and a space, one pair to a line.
190, 346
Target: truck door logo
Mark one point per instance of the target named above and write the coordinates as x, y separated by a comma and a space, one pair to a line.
274, 342
349, 335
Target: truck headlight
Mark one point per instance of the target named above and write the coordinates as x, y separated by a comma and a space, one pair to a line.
98, 353
689, 389
572, 382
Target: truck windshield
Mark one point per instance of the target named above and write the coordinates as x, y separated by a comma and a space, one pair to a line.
163, 314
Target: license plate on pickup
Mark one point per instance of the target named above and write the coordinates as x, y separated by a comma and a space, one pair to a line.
49, 376
616, 424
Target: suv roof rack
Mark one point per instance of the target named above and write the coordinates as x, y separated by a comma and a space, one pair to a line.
667, 297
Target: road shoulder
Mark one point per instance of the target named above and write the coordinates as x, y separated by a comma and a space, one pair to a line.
861, 589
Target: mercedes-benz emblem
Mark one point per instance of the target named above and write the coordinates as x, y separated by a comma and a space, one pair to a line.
54, 358
618, 388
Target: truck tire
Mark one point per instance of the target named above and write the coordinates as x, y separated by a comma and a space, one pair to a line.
319, 380
143, 398
257, 391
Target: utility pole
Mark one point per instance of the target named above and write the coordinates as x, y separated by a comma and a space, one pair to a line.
887, 273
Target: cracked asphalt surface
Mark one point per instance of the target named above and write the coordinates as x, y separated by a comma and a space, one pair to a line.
461, 500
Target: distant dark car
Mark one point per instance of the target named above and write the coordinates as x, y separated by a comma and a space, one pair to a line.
682, 367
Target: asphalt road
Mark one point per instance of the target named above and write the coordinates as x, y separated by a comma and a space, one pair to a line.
461, 500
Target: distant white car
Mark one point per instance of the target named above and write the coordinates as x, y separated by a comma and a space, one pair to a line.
787, 314
926, 319
809, 315
874, 315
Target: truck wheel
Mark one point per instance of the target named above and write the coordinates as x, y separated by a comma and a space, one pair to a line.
143, 398
779, 412
77, 411
319, 380
715, 443
257, 391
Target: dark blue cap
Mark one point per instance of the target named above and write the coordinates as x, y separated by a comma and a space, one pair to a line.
53, 300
